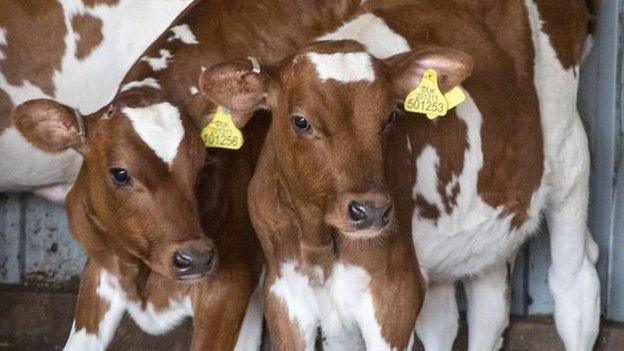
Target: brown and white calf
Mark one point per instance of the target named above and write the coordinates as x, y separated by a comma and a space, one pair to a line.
338, 258
134, 209
73, 51
477, 181
144, 233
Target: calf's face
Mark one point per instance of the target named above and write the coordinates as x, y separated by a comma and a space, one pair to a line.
135, 190
332, 104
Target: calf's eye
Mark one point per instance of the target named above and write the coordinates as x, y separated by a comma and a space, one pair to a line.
120, 176
300, 124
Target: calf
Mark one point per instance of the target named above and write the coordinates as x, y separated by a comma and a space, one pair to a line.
74, 51
338, 248
145, 234
134, 209
479, 179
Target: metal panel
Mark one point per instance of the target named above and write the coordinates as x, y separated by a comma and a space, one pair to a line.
35, 243
598, 103
615, 287
10, 239
52, 255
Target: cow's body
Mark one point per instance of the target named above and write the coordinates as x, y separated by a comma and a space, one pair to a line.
481, 178
114, 281
73, 51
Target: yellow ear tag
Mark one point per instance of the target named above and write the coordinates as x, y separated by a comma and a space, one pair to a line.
222, 132
454, 97
427, 98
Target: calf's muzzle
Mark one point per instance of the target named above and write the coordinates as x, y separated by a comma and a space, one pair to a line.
365, 215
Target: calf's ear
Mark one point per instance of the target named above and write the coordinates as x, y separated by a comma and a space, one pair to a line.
406, 70
47, 124
237, 85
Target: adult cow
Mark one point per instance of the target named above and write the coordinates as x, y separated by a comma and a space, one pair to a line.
133, 206
474, 183
74, 51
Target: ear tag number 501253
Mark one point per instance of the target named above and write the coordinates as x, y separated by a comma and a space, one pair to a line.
427, 98
221, 132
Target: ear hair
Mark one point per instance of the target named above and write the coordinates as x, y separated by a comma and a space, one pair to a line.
406, 69
239, 85
48, 125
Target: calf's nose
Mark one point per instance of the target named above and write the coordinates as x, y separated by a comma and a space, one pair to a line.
367, 214
192, 263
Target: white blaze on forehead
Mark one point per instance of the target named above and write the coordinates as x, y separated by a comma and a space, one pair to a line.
183, 32
372, 32
147, 82
343, 67
158, 63
159, 126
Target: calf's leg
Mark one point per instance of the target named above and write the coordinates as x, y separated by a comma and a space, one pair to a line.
388, 311
288, 302
438, 320
488, 308
224, 309
101, 304
572, 276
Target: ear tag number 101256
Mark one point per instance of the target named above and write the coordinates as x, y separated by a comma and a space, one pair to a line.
221, 132
427, 98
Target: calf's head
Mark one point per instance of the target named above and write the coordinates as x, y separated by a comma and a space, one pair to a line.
332, 104
135, 191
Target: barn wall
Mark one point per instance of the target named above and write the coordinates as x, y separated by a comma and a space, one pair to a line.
35, 245
601, 104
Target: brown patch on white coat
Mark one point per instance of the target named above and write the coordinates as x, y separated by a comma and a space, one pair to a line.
504, 61
89, 31
319, 199
43, 53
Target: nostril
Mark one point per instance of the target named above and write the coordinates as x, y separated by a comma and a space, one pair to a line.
387, 210
182, 259
209, 258
357, 211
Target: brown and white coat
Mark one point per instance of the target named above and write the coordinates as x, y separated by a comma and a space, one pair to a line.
480, 179
151, 237
472, 185
75, 52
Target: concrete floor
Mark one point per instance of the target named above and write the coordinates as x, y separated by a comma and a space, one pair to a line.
37, 320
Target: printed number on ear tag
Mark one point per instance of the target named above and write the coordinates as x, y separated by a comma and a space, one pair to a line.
427, 98
221, 132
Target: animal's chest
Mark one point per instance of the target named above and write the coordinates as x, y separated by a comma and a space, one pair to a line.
159, 320
457, 228
331, 302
